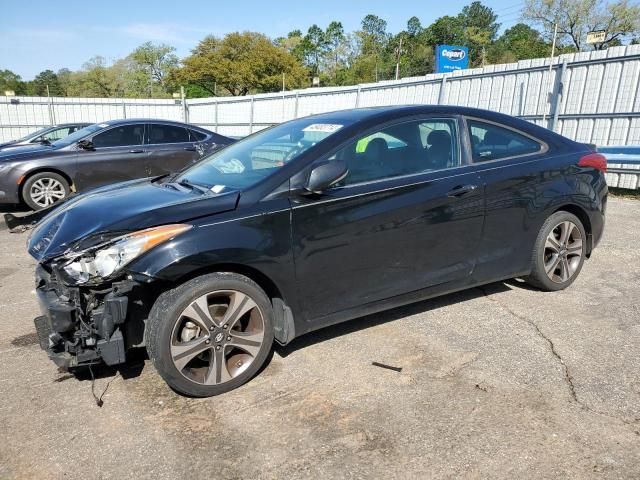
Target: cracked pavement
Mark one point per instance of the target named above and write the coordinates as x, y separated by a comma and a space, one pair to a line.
501, 381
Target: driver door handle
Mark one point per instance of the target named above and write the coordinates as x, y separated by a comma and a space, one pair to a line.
190, 149
461, 190
136, 151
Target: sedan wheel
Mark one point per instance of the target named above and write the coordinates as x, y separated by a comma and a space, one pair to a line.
211, 334
558, 253
563, 252
217, 337
44, 189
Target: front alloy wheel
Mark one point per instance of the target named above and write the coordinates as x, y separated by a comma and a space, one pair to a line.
211, 334
44, 189
217, 337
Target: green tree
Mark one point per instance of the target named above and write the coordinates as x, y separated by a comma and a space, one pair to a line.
240, 63
518, 43
314, 44
480, 29
292, 43
373, 42
11, 81
446, 30
47, 78
153, 61
416, 56
335, 43
96, 79
577, 17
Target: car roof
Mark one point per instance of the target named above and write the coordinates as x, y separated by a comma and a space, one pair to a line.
71, 124
388, 113
123, 121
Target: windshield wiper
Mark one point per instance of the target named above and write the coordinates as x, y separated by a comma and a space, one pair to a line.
188, 183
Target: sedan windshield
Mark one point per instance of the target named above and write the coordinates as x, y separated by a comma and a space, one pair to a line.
78, 135
248, 161
35, 134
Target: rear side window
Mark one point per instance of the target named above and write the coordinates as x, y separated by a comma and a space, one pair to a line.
167, 134
196, 136
125, 135
491, 142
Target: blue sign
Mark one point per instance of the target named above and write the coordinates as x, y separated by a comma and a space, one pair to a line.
451, 57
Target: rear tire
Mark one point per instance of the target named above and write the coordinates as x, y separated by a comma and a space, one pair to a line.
211, 334
558, 253
44, 189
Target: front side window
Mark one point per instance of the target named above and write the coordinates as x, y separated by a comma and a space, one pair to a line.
491, 142
402, 149
246, 162
167, 134
123, 136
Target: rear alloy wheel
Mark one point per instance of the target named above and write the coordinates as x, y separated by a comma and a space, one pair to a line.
211, 334
559, 252
44, 189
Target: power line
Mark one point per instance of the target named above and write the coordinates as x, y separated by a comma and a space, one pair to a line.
509, 7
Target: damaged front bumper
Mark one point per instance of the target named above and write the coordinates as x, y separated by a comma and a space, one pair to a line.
82, 326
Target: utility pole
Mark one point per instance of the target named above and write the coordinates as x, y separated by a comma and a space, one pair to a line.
553, 51
398, 53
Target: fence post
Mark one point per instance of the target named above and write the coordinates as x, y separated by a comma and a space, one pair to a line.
443, 86
557, 96
215, 104
358, 96
124, 109
251, 116
185, 110
295, 110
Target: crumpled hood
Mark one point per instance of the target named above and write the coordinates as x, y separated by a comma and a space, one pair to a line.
120, 208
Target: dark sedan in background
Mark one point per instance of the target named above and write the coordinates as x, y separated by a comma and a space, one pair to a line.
99, 154
44, 135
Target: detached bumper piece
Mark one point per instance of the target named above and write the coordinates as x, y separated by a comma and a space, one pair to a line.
81, 328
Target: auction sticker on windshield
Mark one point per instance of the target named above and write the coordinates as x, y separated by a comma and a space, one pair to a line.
322, 127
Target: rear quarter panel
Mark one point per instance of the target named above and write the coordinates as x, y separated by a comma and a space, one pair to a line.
520, 194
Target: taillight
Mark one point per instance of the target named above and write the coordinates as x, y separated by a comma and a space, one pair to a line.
594, 160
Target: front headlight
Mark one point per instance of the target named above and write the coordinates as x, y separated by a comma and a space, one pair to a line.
102, 262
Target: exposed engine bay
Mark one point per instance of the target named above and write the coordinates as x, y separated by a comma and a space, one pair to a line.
86, 325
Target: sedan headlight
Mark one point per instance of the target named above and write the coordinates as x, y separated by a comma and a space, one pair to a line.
103, 261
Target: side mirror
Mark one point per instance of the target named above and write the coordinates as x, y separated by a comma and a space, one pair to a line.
325, 175
86, 145
42, 139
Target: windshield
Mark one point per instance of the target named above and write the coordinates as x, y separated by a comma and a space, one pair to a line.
248, 161
35, 134
78, 135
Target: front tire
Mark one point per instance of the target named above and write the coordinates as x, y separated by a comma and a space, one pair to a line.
558, 253
44, 189
211, 334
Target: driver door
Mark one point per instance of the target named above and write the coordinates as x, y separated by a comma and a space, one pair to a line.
118, 155
408, 216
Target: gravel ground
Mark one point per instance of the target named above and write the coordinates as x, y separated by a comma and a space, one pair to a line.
500, 382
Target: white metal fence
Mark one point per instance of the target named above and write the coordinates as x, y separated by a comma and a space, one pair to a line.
589, 96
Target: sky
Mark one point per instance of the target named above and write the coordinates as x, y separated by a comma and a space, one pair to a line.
38, 35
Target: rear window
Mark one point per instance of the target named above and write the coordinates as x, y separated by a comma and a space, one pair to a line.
197, 136
491, 142
167, 134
